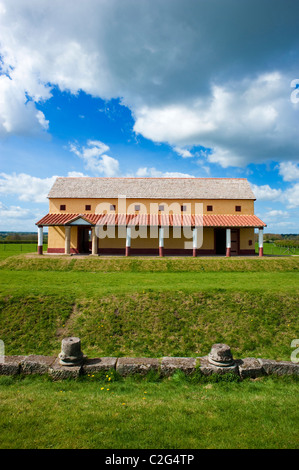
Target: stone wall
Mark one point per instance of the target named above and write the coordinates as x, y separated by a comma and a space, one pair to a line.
71, 363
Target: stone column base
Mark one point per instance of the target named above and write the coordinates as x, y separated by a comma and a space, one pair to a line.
261, 251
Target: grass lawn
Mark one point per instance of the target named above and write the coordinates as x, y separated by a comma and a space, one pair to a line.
149, 307
271, 249
143, 414
11, 249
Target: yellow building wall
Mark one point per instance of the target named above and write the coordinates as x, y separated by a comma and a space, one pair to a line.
147, 206
75, 206
56, 237
246, 234
116, 242
152, 240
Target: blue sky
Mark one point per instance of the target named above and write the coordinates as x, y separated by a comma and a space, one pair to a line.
149, 88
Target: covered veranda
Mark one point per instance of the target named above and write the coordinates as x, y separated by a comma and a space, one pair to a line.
225, 230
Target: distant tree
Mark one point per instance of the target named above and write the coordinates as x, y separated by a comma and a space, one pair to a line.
13, 237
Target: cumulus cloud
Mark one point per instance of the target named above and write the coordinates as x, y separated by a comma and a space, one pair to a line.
289, 196
275, 213
289, 171
76, 174
26, 187
15, 212
266, 193
95, 158
154, 173
18, 114
241, 122
215, 74
185, 153
29, 188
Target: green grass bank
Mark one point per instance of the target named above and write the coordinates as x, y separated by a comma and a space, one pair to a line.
149, 306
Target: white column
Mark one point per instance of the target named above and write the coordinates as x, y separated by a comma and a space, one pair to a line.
228, 241
128, 241
67, 248
94, 241
161, 241
40, 240
195, 231
261, 242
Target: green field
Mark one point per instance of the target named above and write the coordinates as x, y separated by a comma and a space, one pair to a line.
272, 249
93, 413
149, 307
11, 249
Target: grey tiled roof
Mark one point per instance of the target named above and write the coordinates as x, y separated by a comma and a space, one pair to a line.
153, 188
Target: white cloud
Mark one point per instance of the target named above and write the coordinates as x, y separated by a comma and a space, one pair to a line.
291, 196
18, 115
189, 76
247, 121
95, 158
19, 219
154, 173
286, 225
42, 120
289, 171
266, 193
15, 212
26, 187
274, 213
183, 152
76, 174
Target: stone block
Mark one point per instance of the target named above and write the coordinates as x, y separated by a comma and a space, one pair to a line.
250, 367
206, 368
59, 372
279, 367
36, 364
220, 355
139, 365
11, 365
92, 366
170, 364
71, 354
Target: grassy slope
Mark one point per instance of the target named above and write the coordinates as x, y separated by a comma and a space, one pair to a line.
149, 307
150, 264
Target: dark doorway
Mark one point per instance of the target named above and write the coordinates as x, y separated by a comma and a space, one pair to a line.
220, 241
234, 242
84, 240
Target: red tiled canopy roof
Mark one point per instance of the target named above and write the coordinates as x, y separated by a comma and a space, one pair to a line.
155, 219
